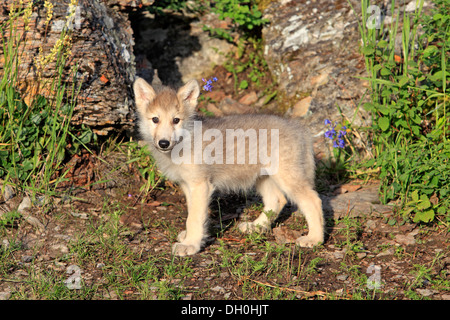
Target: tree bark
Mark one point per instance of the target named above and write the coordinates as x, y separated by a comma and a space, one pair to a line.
101, 42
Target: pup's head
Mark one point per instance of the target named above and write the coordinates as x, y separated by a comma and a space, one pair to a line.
163, 112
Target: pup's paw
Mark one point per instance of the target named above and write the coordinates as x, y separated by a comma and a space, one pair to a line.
181, 236
249, 227
308, 242
181, 250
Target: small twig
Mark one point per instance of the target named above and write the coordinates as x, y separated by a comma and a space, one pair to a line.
306, 293
233, 239
13, 280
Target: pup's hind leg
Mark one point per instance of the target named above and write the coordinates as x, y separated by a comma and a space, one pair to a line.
274, 201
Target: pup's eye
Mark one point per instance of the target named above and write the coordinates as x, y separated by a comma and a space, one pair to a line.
176, 120
155, 119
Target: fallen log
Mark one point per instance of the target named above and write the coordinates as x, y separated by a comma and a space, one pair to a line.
100, 50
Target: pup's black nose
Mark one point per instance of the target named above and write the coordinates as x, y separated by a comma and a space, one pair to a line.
164, 144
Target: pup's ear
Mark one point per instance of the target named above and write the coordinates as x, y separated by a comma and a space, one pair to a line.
143, 94
189, 93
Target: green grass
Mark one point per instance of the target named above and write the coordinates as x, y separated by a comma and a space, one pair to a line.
408, 102
36, 136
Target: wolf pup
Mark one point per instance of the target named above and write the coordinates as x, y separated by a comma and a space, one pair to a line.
230, 153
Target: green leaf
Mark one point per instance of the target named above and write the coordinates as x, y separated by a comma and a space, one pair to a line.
27, 165
385, 72
368, 106
437, 16
430, 50
424, 202
403, 80
382, 44
377, 67
368, 50
383, 123
243, 84
415, 195
85, 137
426, 216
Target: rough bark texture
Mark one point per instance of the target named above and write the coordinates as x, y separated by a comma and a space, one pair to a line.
102, 49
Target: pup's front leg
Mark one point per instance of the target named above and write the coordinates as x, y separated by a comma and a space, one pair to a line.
197, 199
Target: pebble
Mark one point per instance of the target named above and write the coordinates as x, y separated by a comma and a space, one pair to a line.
387, 252
8, 193
361, 255
27, 259
187, 297
342, 277
425, 292
218, 289
24, 205
62, 249
5, 244
371, 224
249, 98
79, 215
65, 237
35, 222
338, 254
5, 295
407, 239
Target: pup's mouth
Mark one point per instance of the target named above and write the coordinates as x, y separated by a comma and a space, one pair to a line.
172, 145
166, 150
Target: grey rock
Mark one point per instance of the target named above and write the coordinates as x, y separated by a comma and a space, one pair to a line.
35, 222
24, 205
24, 208
364, 201
8, 192
407, 239
312, 50
212, 51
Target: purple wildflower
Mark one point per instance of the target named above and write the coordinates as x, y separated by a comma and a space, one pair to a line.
330, 134
336, 137
208, 84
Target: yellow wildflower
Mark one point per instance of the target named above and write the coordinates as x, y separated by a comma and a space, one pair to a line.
27, 14
49, 6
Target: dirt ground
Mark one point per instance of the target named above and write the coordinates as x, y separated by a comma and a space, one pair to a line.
373, 256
